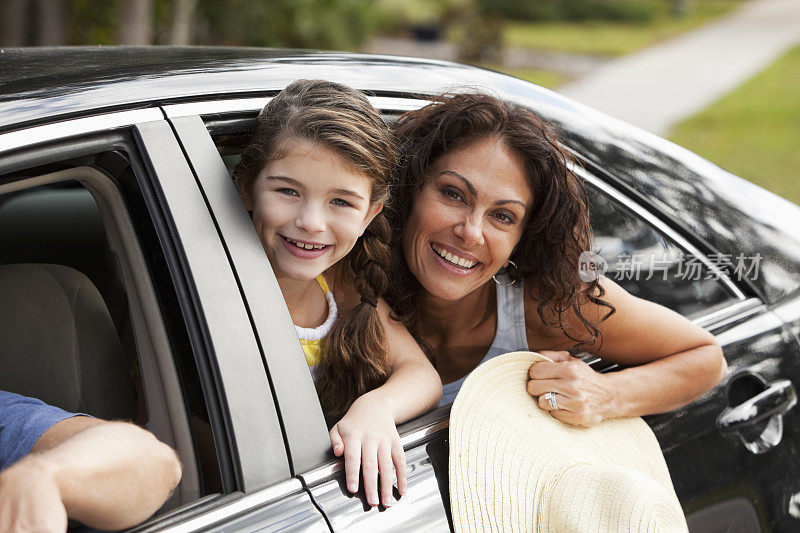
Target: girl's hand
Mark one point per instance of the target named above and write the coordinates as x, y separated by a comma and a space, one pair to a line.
368, 439
582, 395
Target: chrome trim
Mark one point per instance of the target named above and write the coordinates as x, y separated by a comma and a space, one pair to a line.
745, 307
312, 477
247, 105
410, 440
72, 128
238, 506
658, 224
317, 475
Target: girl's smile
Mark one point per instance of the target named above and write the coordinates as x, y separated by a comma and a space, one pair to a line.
309, 208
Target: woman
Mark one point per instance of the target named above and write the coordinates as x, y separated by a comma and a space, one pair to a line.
493, 223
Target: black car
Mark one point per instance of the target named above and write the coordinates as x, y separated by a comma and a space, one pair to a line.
114, 163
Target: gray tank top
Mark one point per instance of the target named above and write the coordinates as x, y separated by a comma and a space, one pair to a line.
509, 337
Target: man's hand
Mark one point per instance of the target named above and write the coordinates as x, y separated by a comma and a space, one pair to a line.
106, 475
30, 500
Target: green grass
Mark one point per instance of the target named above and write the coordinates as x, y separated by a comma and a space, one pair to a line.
754, 132
545, 78
613, 38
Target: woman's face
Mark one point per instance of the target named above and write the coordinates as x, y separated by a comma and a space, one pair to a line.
309, 208
467, 219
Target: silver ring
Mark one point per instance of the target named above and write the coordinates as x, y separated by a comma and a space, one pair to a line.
551, 401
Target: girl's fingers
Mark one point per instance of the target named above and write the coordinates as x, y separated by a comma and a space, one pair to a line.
352, 464
386, 468
336, 441
399, 458
369, 466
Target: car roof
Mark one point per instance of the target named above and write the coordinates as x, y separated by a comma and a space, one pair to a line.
39, 85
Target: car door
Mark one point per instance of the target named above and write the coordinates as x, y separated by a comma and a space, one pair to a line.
206, 131
202, 387
731, 453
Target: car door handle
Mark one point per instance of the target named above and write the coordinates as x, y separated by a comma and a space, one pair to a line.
777, 399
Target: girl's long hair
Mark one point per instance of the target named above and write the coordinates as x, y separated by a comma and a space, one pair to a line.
557, 228
354, 353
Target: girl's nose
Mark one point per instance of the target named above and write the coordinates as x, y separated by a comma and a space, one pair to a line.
470, 230
311, 218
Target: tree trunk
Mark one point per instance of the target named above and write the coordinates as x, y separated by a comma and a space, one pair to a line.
135, 22
13, 22
50, 22
182, 14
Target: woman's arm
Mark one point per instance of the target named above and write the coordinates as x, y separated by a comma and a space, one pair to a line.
367, 434
671, 360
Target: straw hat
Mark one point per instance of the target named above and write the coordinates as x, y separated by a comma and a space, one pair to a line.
513, 467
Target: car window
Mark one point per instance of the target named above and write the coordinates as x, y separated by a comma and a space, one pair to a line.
648, 264
84, 224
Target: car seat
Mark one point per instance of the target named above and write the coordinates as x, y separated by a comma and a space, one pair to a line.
58, 342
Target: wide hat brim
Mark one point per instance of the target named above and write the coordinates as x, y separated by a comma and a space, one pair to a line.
513, 467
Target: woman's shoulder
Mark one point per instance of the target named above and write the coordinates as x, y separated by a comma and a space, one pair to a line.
544, 326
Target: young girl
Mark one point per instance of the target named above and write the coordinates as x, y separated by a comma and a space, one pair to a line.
314, 177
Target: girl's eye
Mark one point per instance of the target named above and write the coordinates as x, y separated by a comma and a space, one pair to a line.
503, 217
287, 191
452, 194
341, 203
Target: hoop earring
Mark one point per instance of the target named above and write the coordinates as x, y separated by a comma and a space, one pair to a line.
503, 271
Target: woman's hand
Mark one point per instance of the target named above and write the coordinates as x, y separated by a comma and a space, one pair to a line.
582, 395
368, 439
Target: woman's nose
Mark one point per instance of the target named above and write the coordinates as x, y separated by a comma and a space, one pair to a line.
311, 218
470, 230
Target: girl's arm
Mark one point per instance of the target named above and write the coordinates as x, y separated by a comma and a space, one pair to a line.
672, 362
367, 434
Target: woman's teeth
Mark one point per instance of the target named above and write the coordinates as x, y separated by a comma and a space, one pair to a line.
306, 246
458, 261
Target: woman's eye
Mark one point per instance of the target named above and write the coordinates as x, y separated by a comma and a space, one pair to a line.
287, 191
505, 218
341, 203
452, 193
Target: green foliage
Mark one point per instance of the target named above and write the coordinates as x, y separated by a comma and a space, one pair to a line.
573, 10
753, 131
545, 78
330, 24
613, 37
91, 22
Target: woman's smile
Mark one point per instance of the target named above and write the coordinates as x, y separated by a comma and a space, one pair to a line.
467, 219
454, 258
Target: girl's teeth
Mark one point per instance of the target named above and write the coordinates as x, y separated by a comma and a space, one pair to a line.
306, 246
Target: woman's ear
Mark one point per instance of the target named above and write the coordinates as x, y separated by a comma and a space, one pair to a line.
373, 211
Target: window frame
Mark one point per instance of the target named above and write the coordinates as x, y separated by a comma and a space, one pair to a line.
149, 142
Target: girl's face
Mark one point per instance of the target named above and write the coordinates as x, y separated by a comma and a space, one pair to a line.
467, 219
309, 209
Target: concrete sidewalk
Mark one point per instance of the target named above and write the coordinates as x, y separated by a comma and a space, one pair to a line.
664, 84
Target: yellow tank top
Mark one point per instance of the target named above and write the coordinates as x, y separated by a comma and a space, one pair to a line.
310, 338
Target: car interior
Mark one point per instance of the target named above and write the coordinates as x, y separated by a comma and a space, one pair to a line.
83, 326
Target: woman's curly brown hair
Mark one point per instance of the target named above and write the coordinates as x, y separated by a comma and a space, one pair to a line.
557, 228
354, 353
